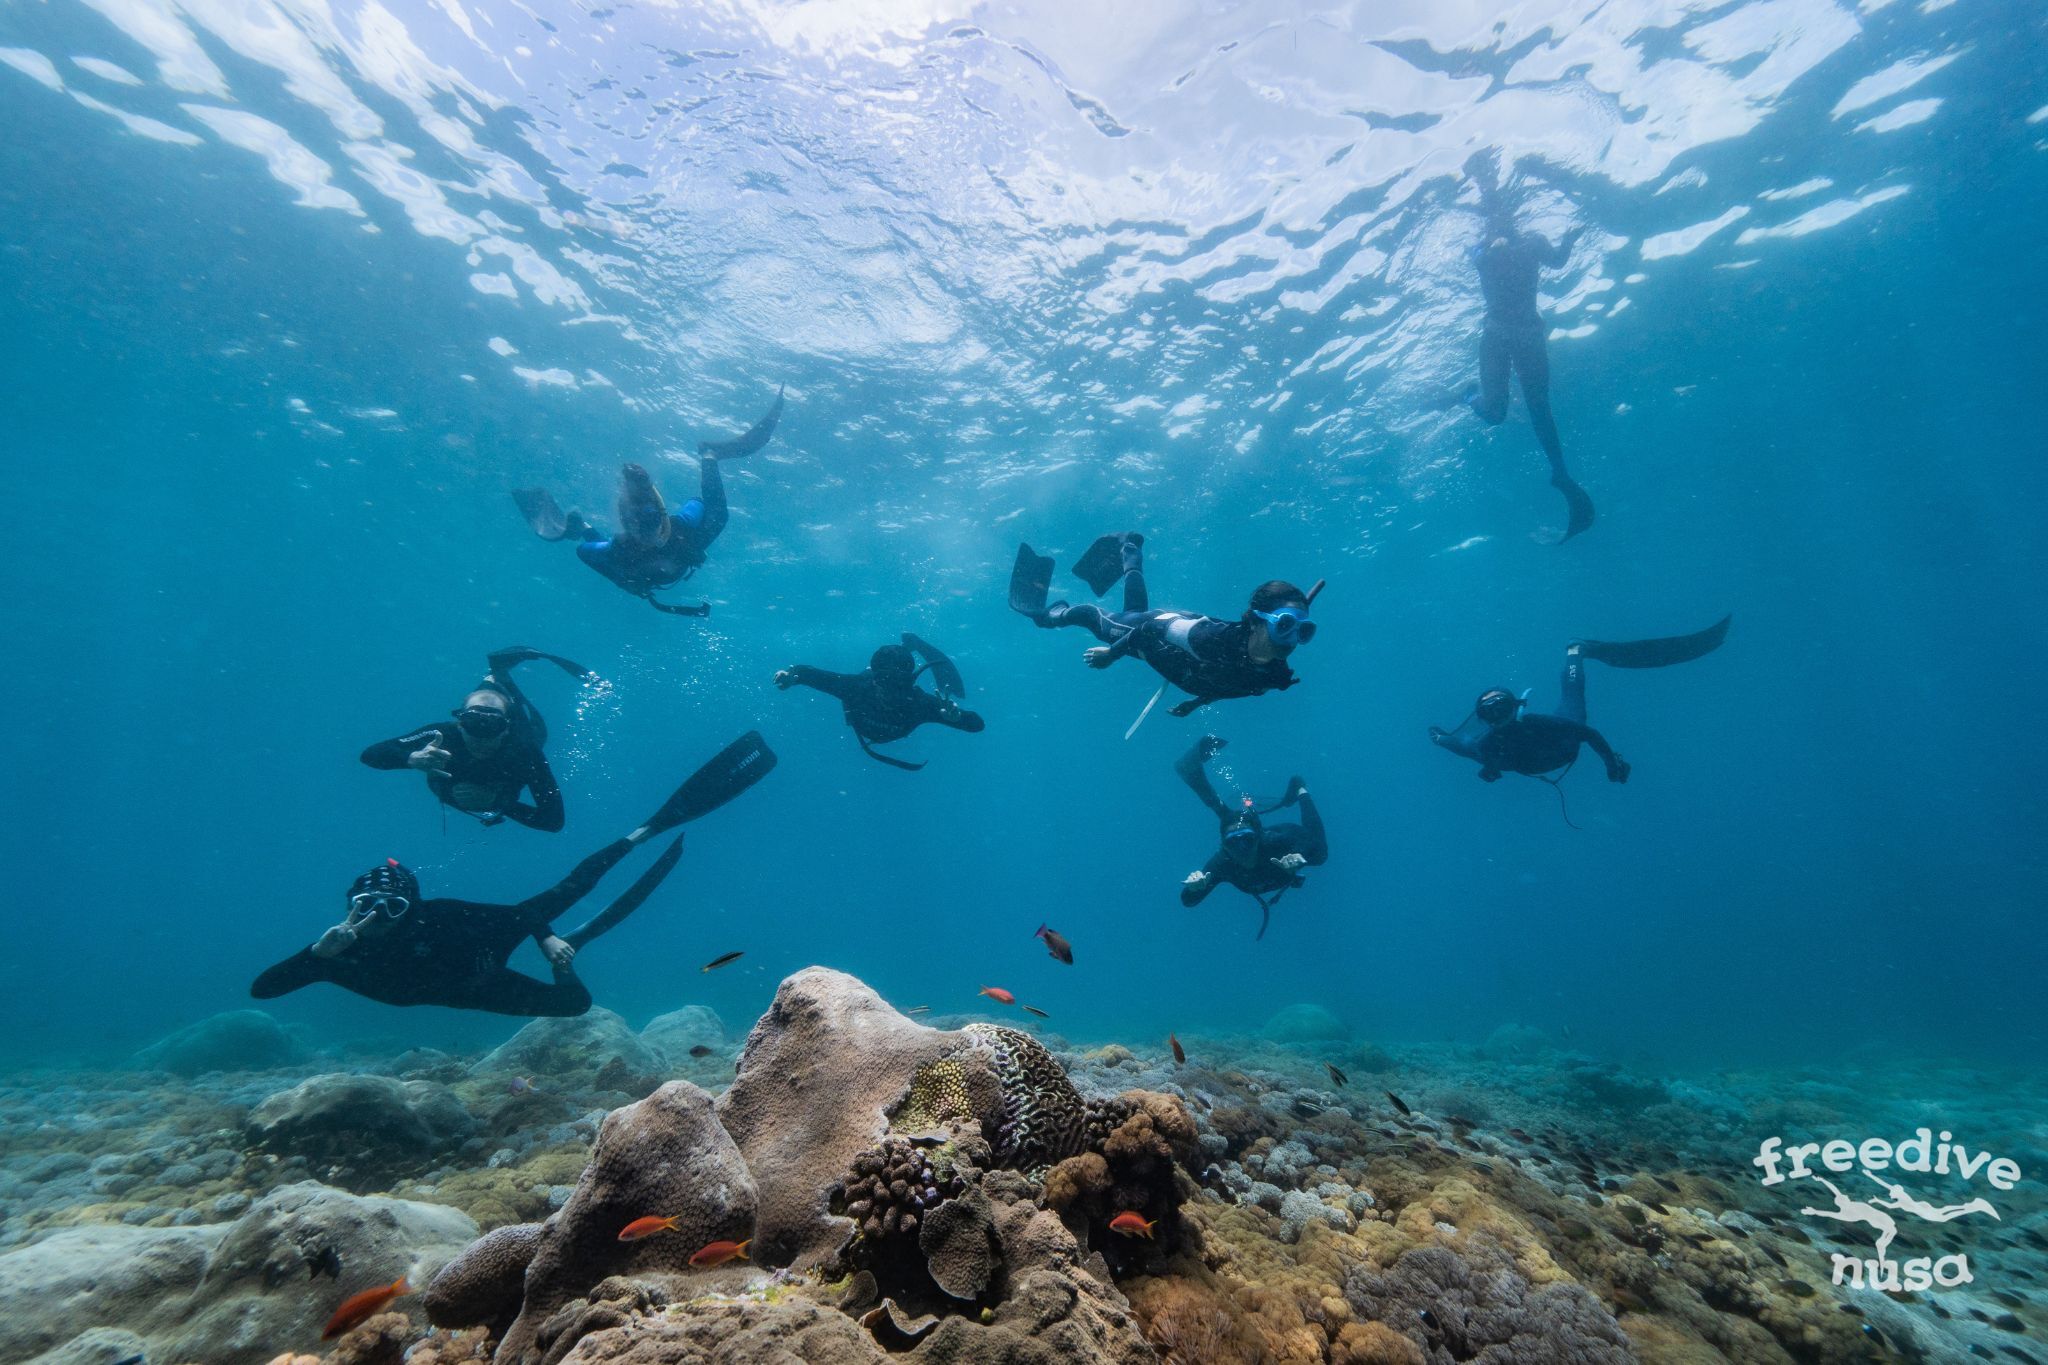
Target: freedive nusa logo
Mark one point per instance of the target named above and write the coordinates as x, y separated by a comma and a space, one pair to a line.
1921, 1154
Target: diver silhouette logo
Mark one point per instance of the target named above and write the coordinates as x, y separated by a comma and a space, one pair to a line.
1922, 1154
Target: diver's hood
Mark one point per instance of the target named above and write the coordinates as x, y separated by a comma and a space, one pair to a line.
390, 878
894, 665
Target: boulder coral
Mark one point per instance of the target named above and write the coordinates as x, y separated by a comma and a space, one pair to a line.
665, 1155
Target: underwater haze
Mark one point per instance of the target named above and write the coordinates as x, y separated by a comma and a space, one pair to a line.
295, 295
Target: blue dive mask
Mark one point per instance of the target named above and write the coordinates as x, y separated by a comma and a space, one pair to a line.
1288, 626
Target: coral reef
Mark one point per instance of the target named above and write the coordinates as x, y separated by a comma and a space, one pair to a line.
945, 1195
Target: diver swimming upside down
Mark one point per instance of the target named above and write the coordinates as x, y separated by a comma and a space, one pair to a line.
1208, 657
652, 548
1263, 861
399, 949
884, 702
492, 752
1502, 737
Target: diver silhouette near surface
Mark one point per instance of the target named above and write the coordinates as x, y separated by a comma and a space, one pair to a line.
1512, 337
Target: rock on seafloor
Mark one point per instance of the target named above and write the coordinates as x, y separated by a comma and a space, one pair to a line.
361, 1132
237, 1040
226, 1294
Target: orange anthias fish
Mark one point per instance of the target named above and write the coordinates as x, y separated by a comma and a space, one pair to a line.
718, 1253
358, 1309
646, 1227
1130, 1225
1180, 1055
999, 995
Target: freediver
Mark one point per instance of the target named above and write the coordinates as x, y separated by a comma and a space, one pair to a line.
1512, 338
1210, 658
396, 948
1501, 736
884, 702
653, 548
492, 752
1263, 861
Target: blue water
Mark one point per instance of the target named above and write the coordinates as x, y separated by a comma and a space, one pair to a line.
292, 299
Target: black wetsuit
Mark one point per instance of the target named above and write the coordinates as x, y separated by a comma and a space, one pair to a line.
1257, 872
1513, 337
483, 784
453, 952
1263, 876
642, 567
879, 713
1536, 743
1204, 656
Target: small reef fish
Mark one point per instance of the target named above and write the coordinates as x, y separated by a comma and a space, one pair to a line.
700, 1051
519, 1085
358, 1309
718, 1253
1056, 944
1131, 1225
1396, 1099
999, 995
646, 1227
1033, 1009
1180, 1055
919, 1009
722, 959
1335, 1074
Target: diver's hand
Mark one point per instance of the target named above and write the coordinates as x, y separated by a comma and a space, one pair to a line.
429, 757
1099, 657
335, 941
1489, 774
558, 953
1438, 735
1195, 878
490, 817
785, 678
1618, 769
1291, 862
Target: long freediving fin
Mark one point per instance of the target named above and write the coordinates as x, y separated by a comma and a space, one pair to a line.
1030, 581
513, 655
756, 436
1672, 649
546, 517
736, 767
1101, 565
945, 675
630, 900
1578, 506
